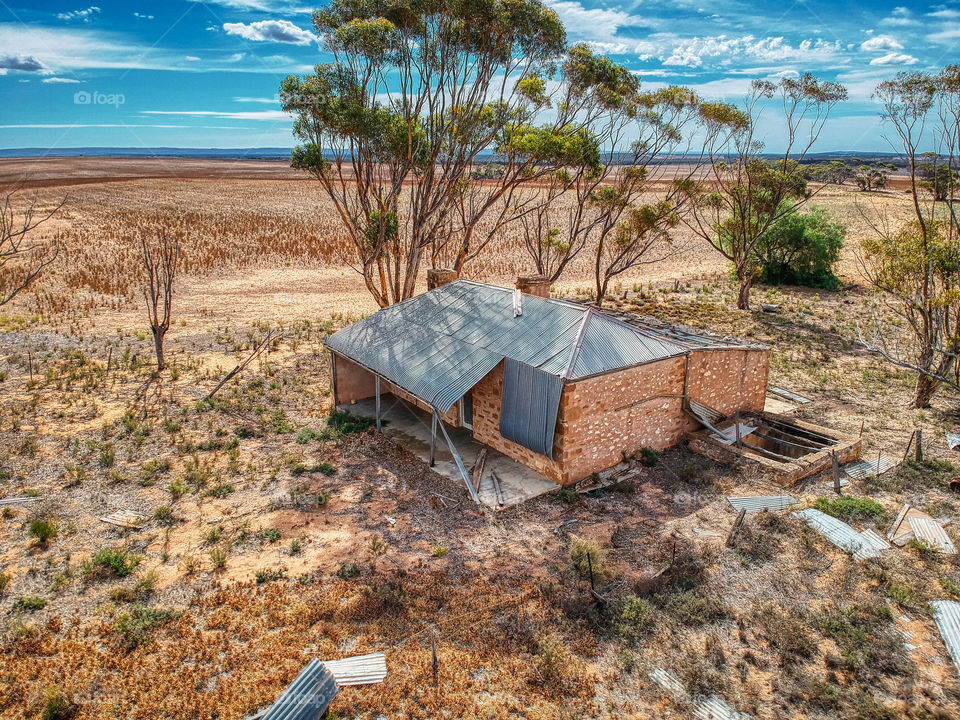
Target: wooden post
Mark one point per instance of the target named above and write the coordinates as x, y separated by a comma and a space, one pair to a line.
433, 439
878, 463
906, 453
109, 358
861, 428
590, 568
736, 526
836, 472
918, 448
30, 365
377, 384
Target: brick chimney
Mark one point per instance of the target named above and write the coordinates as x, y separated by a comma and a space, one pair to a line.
534, 285
438, 277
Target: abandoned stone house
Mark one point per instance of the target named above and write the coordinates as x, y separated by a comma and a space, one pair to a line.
562, 387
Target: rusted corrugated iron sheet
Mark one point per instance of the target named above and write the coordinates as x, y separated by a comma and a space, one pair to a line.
307, 697
756, 503
930, 532
946, 613
359, 670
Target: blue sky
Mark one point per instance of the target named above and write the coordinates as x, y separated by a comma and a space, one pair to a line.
205, 74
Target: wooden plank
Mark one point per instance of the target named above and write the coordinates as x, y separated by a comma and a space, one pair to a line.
476, 473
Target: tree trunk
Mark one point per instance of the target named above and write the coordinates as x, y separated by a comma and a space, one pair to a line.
743, 297
926, 387
158, 346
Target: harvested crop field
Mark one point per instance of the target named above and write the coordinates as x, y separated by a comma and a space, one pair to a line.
271, 530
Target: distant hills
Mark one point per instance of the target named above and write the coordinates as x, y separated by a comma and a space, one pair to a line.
279, 153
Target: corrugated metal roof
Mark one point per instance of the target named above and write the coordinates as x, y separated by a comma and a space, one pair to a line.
440, 344
307, 697
930, 532
713, 707
946, 613
757, 503
528, 413
840, 534
358, 670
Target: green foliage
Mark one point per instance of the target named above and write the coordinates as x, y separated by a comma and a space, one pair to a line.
306, 435
801, 249
347, 571
270, 535
692, 607
29, 604
872, 176
5, 580
44, 530
56, 705
346, 423
586, 554
636, 619
850, 508
649, 457
867, 639
107, 455
569, 495
137, 626
267, 574
939, 179
118, 561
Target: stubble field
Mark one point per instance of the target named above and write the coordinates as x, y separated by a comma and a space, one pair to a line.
265, 538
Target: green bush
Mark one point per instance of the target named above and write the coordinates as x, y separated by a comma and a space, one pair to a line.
583, 548
801, 249
636, 618
43, 530
29, 604
136, 627
118, 561
346, 422
850, 508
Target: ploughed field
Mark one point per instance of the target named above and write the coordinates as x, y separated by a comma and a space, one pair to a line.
265, 532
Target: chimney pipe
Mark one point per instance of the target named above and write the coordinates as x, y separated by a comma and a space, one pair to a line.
438, 277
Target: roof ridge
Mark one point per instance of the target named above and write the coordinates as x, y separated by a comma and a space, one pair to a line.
578, 343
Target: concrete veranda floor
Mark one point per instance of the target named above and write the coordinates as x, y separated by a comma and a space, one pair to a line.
411, 426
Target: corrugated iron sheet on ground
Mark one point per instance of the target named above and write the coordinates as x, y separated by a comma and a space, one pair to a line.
953, 441
863, 469
930, 532
714, 707
359, 670
728, 436
840, 534
799, 399
307, 697
756, 503
946, 613
873, 547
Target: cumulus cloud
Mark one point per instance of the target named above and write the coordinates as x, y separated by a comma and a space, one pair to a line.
60, 81
691, 52
142, 16
894, 58
282, 31
81, 15
23, 63
596, 24
901, 17
881, 42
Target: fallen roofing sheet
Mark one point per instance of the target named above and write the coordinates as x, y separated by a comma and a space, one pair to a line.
953, 441
860, 545
307, 697
756, 503
946, 613
11, 501
713, 707
872, 467
799, 399
125, 519
359, 670
930, 532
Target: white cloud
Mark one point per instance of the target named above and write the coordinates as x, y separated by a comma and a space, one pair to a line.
241, 115
692, 52
142, 16
60, 81
900, 17
192, 58
597, 24
894, 59
945, 37
880, 43
265, 101
945, 13
281, 31
81, 15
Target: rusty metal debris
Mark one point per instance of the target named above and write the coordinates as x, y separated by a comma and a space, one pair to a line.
914, 524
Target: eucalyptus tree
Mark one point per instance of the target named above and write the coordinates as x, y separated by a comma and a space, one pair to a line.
392, 127
607, 211
916, 266
744, 193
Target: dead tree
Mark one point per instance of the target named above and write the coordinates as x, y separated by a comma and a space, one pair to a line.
21, 258
161, 257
